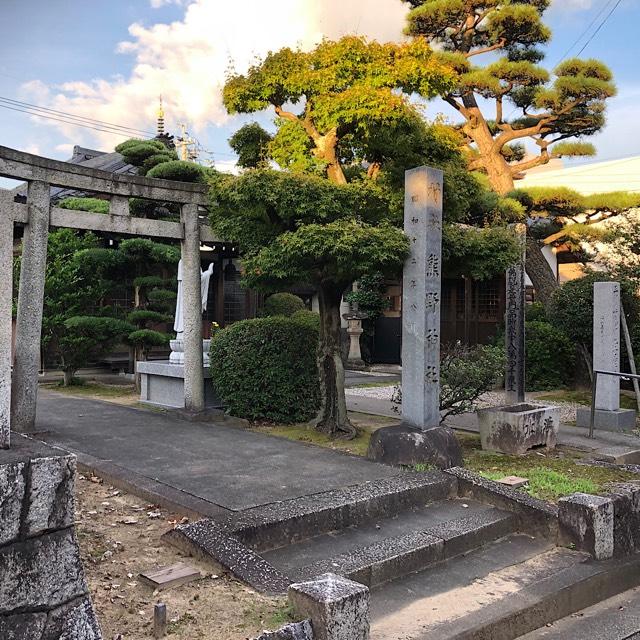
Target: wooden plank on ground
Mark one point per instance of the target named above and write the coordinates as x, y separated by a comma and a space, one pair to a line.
172, 576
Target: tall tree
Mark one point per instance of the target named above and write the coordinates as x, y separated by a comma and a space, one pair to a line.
295, 228
347, 131
339, 89
552, 110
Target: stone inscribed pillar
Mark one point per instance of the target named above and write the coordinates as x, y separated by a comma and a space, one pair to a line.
420, 438
606, 343
421, 299
514, 326
606, 357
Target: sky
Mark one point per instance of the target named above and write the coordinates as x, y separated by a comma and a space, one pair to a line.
110, 60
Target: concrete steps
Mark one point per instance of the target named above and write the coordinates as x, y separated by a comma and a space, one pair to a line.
373, 533
616, 618
498, 592
380, 551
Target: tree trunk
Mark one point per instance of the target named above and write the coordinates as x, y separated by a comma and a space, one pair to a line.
67, 379
332, 418
539, 271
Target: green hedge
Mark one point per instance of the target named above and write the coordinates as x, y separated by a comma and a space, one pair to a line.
282, 304
550, 357
266, 368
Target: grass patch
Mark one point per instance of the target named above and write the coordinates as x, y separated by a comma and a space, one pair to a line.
584, 398
96, 389
551, 475
304, 433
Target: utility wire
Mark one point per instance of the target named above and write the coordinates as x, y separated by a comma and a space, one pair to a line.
595, 33
88, 123
28, 105
582, 35
70, 122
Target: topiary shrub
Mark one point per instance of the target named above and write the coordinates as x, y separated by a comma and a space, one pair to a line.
178, 170
310, 318
266, 369
282, 304
550, 357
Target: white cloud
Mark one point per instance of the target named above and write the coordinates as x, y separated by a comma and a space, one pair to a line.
186, 60
156, 4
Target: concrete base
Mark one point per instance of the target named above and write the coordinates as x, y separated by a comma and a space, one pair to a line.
515, 429
162, 385
407, 445
620, 420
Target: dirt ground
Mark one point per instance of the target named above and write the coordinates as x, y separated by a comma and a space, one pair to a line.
119, 536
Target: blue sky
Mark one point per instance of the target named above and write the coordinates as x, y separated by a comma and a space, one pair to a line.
69, 55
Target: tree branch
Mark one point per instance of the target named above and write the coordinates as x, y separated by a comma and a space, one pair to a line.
498, 45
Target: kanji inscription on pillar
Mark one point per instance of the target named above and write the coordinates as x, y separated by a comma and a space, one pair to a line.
421, 298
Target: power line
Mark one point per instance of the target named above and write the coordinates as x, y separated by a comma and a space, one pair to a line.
73, 116
87, 123
70, 122
595, 33
602, 10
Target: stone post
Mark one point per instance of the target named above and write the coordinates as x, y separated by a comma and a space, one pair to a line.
193, 363
6, 293
421, 298
606, 343
514, 326
337, 607
420, 439
606, 357
24, 390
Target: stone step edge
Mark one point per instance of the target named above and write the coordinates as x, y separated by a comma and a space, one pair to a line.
397, 556
535, 516
282, 523
206, 541
549, 600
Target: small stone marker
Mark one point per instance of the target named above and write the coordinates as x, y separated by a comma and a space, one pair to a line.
159, 620
338, 607
167, 577
514, 481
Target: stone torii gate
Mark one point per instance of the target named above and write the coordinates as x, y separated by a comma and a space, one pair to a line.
18, 393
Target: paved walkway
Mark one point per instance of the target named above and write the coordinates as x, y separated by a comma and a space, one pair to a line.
207, 467
618, 448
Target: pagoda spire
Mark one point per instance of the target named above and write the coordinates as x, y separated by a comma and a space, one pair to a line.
160, 119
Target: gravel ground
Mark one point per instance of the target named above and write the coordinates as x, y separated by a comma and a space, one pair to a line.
491, 399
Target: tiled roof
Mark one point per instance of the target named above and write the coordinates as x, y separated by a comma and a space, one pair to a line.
112, 162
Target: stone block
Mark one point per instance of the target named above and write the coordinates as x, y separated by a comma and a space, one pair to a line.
41, 573
338, 607
50, 495
626, 518
72, 621
22, 626
619, 420
12, 487
515, 429
587, 521
408, 445
295, 631
162, 384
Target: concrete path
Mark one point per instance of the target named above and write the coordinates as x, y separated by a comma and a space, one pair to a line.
208, 467
617, 448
